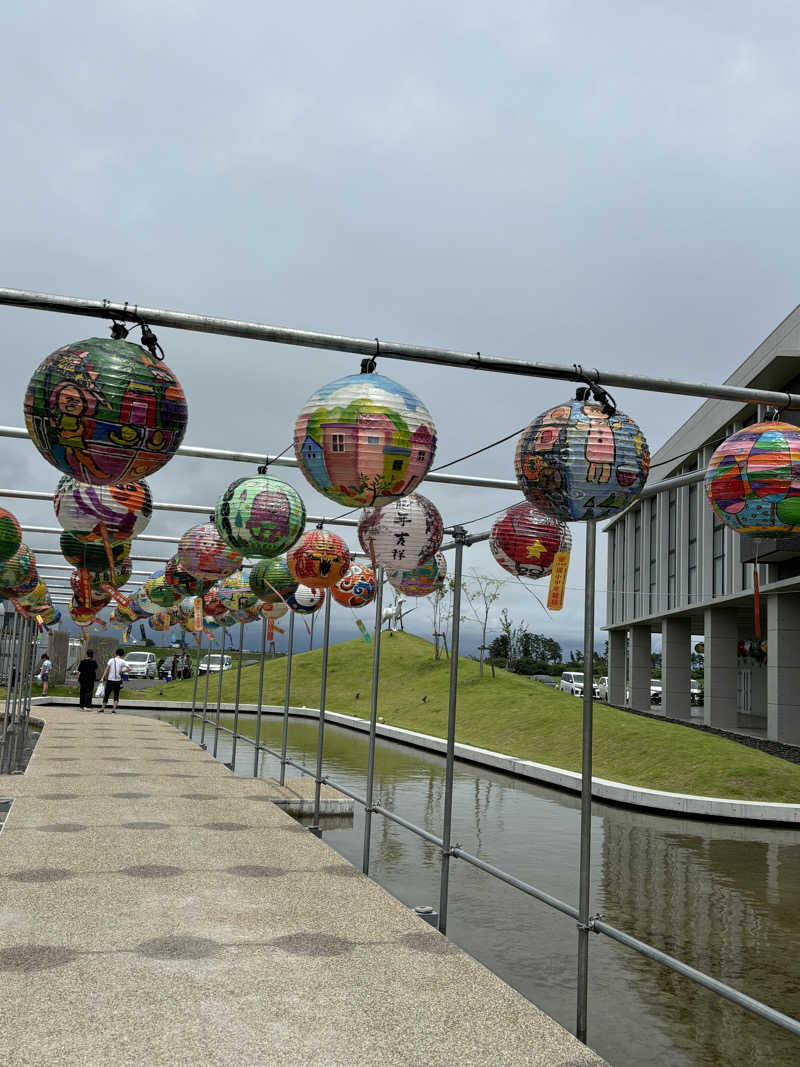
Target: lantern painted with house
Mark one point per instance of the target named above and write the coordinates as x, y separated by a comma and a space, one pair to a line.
271, 581
10, 535
422, 580
260, 516
105, 411
305, 601
524, 541
91, 512
753, 480
357, 588
403, 534
181, 581
364, 440
581, 461
203, 553
320, 559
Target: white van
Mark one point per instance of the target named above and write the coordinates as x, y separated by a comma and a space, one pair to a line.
141, 664
572, 682
211, 664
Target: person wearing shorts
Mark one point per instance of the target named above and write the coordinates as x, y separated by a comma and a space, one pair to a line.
44, 672
112, 676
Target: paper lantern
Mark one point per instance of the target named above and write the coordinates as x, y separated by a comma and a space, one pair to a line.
212, 604
524, 541
752, 480
105, 411
402, 535
50, 615
273, 611
319, 559
187, 617
422, 580
81, 616
271, 581
116, 578
305, 601
260, 516
235, 594
160, 622
35, 597
364, 440
357, 588
203, 553
577, 462
123, 510
157, 592
10, 535
85, 596
19, 569
91, 556
184, 583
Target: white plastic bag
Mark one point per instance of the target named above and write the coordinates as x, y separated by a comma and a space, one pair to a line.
100, 689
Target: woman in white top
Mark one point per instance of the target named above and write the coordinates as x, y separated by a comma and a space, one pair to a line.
112, 676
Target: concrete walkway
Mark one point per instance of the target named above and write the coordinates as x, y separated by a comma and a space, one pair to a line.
158, 910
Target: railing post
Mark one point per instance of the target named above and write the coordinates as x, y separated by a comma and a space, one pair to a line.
205, 694
257, 750
194, 688
11, 640
236, 705
219, 692
286, 697
460, 537
586, 786
321, 733
373, 716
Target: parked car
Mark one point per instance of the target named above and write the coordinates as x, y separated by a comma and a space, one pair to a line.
546, 679
696, 693
179, 666
655, 690
141, 664
212, 664
602, 688
572, 682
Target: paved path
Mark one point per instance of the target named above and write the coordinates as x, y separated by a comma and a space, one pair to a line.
156, 909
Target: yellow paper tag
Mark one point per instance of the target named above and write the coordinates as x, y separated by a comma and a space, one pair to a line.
558, 581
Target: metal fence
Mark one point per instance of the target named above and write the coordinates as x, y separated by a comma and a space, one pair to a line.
18, 645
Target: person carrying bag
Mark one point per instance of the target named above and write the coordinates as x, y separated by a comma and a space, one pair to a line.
87, 672
113, 675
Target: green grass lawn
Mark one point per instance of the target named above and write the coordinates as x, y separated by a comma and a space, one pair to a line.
513, 715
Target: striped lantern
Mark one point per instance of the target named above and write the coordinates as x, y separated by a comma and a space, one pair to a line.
579, 462
305, 601
524, 541
422, 580
271, 581
364, 440
357, 588
260, 516
19, 569
402, 535
105, 411
92, 556
320, 559
184, 583
157, 592
10, 535
751, 481
122, 511
203, 553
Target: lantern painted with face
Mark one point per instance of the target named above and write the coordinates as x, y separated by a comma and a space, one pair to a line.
122, 511
181, 581
401, 535
357, 588
578, 462
753, 480
203, 553
105, 411
422, 580
364, 440
305, 601
10, 535
524, 541
320, 559
271, 581
91, 556
260, 516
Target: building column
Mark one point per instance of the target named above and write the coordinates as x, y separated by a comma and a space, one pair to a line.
676, 667
617, 641
783, 667
720, 684
641, 667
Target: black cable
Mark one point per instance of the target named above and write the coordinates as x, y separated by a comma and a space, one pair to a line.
478, 451
263, 467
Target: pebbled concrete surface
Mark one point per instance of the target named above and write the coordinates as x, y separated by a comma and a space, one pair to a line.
155, 909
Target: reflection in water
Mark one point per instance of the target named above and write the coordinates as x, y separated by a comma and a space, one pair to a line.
720, 897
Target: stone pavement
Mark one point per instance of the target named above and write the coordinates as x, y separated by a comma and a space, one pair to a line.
156, 909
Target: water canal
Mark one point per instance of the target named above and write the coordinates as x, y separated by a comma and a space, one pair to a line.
721, 897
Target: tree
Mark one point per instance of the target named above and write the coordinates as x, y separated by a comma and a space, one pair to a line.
440, 603
481, 592
507, 628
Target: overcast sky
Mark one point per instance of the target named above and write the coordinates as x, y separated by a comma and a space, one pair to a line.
612, 184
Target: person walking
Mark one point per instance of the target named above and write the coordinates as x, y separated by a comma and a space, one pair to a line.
87, 673
112, 676
44, 672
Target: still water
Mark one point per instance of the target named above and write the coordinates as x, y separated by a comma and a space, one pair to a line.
723, 898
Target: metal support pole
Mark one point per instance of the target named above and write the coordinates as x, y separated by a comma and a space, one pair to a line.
257, 749
322, 695
373, 716
584, 928
219, 694
194, 688
236, 706
459, 536
286, 697
205, 695
32, 642
11, 640
13, 679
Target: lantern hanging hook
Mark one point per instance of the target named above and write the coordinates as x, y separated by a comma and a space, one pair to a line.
368, 365
119, 331
150, 342
592, 379
774, 414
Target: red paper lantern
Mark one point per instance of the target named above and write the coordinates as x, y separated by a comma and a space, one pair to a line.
524, 541
320, 559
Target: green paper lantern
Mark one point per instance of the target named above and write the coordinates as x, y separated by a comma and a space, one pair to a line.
260, 516
10, 535
270, 580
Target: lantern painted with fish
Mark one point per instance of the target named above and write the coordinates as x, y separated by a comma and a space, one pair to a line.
357, 588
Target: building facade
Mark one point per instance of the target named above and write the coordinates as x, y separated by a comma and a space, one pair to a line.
675, 570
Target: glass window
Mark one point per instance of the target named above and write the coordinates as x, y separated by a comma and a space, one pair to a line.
672, 545
337, 442
653, 572
421, 455
692, 547
397, 465
637, 561
373, 440
718, 558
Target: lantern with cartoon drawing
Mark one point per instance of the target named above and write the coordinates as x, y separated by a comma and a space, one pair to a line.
357, 588
319, 559
305, 600
95, 512
203, 553
260, 516
422, 580
524, 541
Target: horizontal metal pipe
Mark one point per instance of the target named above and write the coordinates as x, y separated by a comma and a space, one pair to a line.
365, 346
509, 879
390, 815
